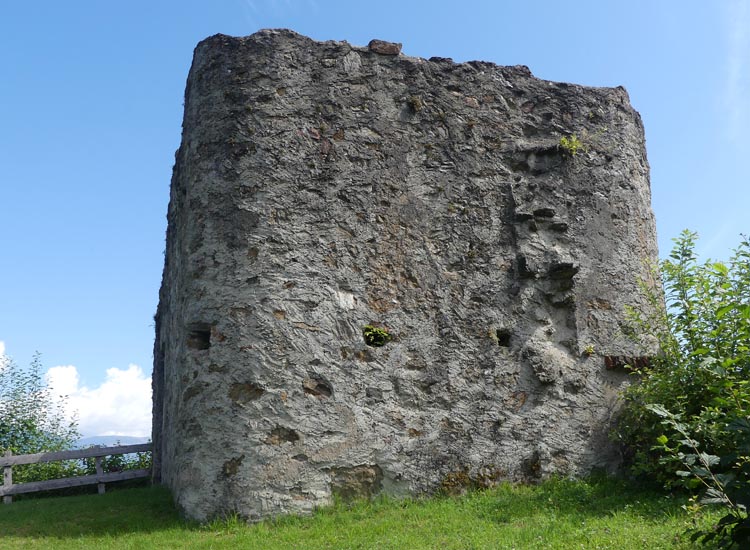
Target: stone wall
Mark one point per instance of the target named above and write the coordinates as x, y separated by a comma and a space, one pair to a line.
322, 188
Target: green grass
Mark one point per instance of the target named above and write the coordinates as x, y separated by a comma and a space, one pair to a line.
590, 515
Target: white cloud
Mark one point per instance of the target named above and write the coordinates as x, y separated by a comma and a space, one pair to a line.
737, 87
4, 359
120, 406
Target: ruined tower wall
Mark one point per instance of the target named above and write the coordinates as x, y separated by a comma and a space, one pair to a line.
321, 188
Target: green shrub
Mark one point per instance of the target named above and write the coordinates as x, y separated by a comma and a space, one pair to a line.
31, 421
117, 463
729, 487
684, 423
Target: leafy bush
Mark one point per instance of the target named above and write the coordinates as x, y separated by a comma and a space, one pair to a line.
31, 421
730, 489
117, 463
685, 423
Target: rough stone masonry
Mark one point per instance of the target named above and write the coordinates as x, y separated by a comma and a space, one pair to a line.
327, 198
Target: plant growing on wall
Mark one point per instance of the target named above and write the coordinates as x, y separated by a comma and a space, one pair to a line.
571, 145
375, 336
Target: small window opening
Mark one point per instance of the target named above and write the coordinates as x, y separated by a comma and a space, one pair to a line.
503, 337
199, 337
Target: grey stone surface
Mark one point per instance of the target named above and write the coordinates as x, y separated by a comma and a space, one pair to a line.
321, 188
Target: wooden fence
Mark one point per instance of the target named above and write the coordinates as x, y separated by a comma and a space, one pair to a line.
8, 489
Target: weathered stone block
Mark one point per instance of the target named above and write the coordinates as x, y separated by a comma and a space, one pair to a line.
321, 189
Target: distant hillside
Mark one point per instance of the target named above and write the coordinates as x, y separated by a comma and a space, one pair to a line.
110, 440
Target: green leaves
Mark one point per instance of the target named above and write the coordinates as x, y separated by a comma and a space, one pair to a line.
723, 310
376, 336
32, 421
694, 401
659, 410
571, 145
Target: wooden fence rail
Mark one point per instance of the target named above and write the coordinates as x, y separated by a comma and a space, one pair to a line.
8, 489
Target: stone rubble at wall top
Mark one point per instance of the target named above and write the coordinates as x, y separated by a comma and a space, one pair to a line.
321, 189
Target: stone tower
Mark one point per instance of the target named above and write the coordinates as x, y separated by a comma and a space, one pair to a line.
329, 198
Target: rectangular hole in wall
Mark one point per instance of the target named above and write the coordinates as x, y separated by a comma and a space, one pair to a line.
503, 337
199, 336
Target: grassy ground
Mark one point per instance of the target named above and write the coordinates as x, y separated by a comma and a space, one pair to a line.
557, 514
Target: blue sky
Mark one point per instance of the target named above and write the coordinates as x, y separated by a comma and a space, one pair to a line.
90, 116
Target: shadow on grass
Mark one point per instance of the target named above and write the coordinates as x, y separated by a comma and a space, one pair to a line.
119, 511
591, 499
150, 509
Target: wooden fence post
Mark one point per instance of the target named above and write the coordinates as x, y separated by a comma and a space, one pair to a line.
8, 479
99, 471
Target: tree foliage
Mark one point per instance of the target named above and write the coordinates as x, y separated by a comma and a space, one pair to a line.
687, 422
32, 420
